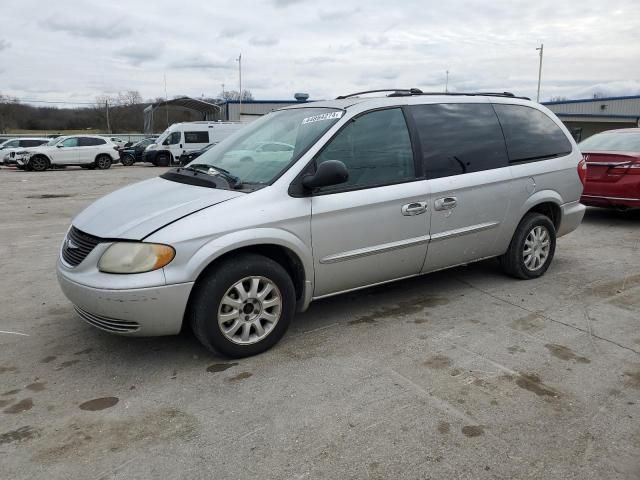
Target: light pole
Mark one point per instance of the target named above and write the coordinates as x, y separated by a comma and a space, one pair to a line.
446, 85
541, 49
239, 59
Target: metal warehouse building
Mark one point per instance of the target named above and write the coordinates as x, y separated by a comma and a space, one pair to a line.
592, 115
252, 109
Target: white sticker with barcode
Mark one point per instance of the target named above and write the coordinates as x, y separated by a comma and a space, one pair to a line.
322, 116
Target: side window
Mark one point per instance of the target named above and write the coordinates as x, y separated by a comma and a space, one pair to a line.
99, 141
30, 143
458, 138
173, 139
196, 137
12, 144
70, 142
375, 148
531, 134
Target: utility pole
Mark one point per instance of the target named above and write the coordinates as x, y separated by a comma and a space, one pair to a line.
166, 99
240, 78
106, 105
223, 91
446, 85
541, 49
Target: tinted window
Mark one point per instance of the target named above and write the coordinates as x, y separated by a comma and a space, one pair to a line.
11, 144
173, 139
459, 138
70, 142
90, 142
531, 134
196, 137
31, 143
375, 148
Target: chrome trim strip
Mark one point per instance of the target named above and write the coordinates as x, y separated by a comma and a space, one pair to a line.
458, 232
364, 252
609, 164
612, 198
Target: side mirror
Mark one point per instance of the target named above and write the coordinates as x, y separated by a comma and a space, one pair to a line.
331, 172
59, 145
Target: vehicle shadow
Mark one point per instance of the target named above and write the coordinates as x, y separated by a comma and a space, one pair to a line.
604, 216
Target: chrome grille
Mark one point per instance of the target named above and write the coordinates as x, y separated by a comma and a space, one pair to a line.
105, 323
77, 245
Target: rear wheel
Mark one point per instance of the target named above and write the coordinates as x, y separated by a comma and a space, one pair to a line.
162, 160
103, 162
243, 306
532, 247
38, 163
127, 160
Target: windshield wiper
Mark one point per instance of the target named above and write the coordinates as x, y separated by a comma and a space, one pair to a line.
211, 170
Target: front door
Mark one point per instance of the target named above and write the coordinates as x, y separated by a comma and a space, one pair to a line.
470, 183
66, 151
374, 227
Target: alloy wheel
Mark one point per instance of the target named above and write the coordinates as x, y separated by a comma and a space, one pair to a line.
536, 248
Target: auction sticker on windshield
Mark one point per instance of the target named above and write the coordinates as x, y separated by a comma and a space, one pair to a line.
322, 116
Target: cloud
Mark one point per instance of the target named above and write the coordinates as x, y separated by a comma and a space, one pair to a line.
373, 40
263, 41
137, 55
199, 62
93, 28
285, 3
231, 32
4, 44
330, 15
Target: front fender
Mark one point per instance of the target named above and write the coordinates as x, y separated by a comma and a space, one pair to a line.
214, 249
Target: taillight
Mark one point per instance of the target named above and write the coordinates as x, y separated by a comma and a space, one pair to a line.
634, 168
582, 171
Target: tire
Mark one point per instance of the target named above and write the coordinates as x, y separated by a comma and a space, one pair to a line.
222, 283
127, 160
103, 162
39, 163
162, 160
532, 247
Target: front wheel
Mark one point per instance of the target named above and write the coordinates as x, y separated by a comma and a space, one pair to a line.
38, 164
243, 306
163, 160
532, 247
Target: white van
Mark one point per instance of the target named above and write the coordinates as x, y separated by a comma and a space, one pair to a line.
181, 138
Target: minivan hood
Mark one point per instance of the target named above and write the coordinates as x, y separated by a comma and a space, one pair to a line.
135, 211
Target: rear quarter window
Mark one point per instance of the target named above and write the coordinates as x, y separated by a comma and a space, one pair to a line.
530, 134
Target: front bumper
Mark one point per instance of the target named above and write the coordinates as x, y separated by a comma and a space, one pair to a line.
571, 217
135, 312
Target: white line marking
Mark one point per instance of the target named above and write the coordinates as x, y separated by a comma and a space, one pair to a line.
14, 333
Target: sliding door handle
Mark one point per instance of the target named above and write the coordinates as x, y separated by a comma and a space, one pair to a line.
414, 208
446, 203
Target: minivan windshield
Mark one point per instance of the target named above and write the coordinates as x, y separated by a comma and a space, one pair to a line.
259, 152
612, 142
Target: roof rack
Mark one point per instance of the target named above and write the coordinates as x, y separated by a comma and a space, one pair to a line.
402, 92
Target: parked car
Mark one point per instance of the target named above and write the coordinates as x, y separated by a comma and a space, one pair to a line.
120, 143
374, 190
182, 138
613, 168
9, 148
88, 151
132, 154
191, 156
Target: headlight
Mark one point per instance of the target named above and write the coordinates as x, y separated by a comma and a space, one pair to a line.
151, 147
134, 257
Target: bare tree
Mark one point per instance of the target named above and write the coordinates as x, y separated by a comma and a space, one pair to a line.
8, 112
234, 95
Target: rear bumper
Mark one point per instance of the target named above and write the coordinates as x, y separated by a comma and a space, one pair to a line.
134, 312
571, 217
605, 201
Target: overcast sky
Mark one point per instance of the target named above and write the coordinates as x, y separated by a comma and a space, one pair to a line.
72, 50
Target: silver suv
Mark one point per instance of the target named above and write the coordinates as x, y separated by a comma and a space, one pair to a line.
354, 192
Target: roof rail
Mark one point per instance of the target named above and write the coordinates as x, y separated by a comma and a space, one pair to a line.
397, 92
402, 92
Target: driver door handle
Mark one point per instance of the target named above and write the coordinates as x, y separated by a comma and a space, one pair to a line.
445, 203
414, 208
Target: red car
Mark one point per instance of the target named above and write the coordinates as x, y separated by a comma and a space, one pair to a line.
613, 169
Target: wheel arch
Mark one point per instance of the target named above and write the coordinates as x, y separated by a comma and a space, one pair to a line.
45, 156
546, 202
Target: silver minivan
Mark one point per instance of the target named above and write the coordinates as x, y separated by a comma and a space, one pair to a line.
323, 198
